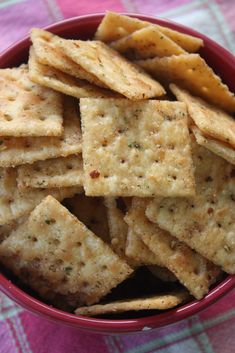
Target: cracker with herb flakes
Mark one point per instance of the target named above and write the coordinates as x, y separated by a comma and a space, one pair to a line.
15, 203
59, 81
222, 150
191, 72
28, 109
112, 69
192, 270
211, 121
136, 148
206, 222
54, 251
155, 302
146, 43
115, 26
92, 212
48, 52
52, 173
15, 151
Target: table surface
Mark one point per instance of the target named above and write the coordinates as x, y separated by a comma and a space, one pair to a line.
212, 331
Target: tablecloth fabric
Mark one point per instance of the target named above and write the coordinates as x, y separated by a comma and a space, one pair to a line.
212, 331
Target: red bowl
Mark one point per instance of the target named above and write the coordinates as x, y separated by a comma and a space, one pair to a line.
223, 63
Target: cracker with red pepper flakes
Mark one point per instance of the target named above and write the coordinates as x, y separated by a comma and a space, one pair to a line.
15, 203
48, 52
52, 173
205, 222
28, 109
15, 151
146, 43
210, 120
193, 73
136, 148
223, 150
54, 252
115, 26
62, 82
194, 271
117, 73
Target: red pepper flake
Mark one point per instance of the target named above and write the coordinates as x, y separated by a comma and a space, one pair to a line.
94, 174
210, 210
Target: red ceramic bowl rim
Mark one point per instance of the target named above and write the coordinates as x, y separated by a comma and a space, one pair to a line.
127, 325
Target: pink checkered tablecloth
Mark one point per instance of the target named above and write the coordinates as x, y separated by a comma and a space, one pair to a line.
212, 331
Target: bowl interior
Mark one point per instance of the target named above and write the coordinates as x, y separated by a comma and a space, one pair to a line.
223, 64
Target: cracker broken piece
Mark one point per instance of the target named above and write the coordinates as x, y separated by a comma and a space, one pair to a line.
92, 212
54, 251
192, 270
146, 43
115, 26
59, 81
222, 150
15, 151
211, 121
136, 148
52, 173
112, 69
156, 302
206, 222
28, 109
15, 203
191, 72
48, 52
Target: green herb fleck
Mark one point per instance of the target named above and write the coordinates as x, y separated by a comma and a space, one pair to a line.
135, 145
68, 270
1, 142
50, 221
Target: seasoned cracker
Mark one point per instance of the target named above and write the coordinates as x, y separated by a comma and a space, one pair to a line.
206, 222
115, 26
20, 150
59, 81
54, 251
28, 109
48, 52
191, 269
117, 226
162, 273
191, 72
138, 251
211, 121
15, 203
157, 302
92, 212
222, 150
146, 43
112, 69
136, 148
52, 173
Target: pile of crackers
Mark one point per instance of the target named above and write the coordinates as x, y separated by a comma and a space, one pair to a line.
133, 132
